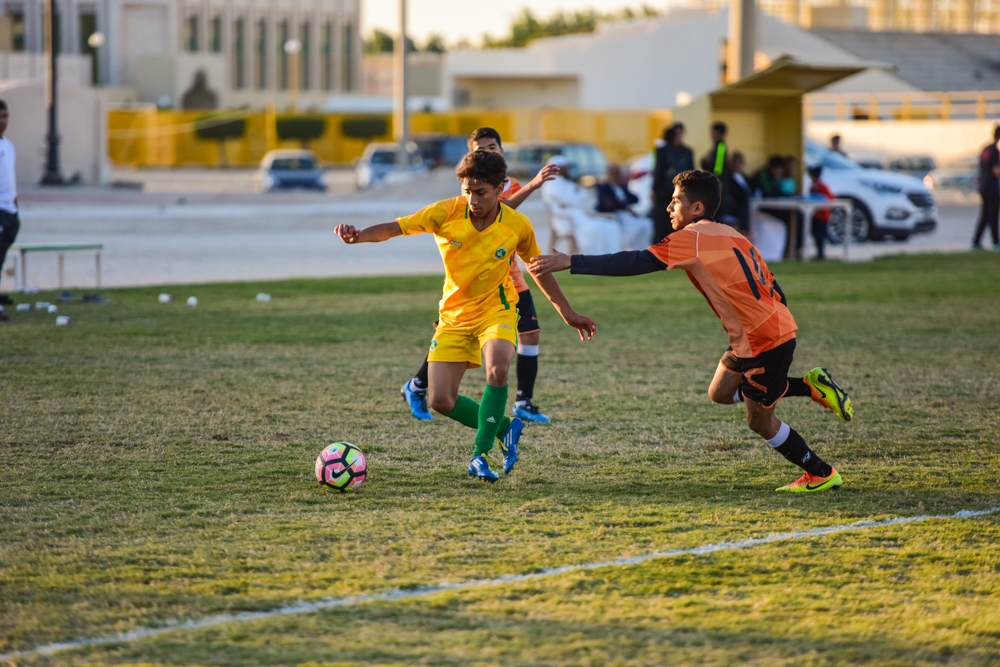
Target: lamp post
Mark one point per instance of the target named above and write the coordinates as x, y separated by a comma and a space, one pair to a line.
293, 47
96, 41
399, 119
52, 174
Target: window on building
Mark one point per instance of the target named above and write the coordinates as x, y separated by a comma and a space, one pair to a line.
347, 78
283, 37
260, 55
239, 59
16, 30
326, 57
88, 26
191, 38
305, 79
215, 41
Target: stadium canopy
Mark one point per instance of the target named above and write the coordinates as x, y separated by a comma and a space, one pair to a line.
764, 110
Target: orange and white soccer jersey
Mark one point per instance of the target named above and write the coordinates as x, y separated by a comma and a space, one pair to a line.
512, 187
477, 281
729, 271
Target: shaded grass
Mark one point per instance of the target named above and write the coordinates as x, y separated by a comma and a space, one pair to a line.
156, 464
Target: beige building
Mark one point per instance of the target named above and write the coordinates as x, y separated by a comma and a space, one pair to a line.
153, 48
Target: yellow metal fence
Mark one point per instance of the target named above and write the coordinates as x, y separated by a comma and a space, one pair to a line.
149, 137
962, 105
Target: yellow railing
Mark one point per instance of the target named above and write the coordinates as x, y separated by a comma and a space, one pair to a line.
961, 105
148, 137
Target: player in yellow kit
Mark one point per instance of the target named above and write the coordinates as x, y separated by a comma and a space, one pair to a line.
478, 237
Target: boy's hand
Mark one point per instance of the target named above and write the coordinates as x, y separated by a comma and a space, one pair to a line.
347, 233
545, 264
548, 173
585, 326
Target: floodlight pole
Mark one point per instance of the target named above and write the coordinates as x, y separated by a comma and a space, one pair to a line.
52, 174
742, 39
400, 121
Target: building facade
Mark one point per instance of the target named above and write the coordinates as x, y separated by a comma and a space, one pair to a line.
156, 46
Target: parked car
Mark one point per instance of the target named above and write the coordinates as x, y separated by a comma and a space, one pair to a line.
288, 169
962, 174
917, 166
886, 204
442, 150
587, 162
379, 161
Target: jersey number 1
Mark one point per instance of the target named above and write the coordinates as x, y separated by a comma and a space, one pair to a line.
753, 276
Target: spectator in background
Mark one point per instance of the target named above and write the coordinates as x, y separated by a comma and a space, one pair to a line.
9, 222
716, 160
771, 183
671, 158
740, 193
989, 190
614, 198
570, 209
835, 145
819, 190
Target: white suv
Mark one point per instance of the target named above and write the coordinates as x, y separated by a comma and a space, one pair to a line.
886, 205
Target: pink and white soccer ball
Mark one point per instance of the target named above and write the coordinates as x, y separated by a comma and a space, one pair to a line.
341, 467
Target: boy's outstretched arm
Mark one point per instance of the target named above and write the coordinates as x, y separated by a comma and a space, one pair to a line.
584, 325
371, 234
548, 173
626, 263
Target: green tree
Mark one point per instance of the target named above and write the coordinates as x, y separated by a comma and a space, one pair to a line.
300, 128
527, 27
381, 42
213, 128
435, 44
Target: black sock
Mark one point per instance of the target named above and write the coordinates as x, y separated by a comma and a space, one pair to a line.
421, 376
527, 371
797, 451
798, 387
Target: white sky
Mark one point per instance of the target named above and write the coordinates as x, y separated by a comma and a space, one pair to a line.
469, 19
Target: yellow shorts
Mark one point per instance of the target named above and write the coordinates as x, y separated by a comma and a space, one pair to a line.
466, 344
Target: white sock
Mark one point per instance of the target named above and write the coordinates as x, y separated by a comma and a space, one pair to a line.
737, 397
781, 436
520, 404
527, 350
416, 387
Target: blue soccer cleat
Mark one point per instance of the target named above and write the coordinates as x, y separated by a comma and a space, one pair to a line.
529, 412
508, 444
480, 467
417, 400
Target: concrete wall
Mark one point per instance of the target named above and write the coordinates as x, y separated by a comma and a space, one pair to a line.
523, 93
73, 68
943, 140
82, 128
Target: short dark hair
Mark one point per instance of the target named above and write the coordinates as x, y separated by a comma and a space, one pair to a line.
719, 127
3, 105
996, 130
700, 186
484, 133
483, 166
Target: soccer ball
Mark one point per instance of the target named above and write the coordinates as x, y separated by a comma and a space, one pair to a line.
341, 467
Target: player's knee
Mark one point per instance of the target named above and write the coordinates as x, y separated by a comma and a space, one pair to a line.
443, 404
496, 376
717, 396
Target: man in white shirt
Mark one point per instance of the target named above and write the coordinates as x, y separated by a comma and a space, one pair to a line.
569, 205
9, 222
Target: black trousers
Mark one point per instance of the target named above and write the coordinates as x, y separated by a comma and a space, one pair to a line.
818, 230
661, 219
989, 216
9, 225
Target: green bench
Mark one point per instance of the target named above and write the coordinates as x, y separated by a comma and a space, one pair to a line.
22, 249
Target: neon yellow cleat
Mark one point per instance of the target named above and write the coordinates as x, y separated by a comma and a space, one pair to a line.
809, 483
828, 393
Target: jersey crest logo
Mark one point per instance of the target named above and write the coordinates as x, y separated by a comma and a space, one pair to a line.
434, 344
500, 253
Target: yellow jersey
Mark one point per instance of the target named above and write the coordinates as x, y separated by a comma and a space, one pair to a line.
477, 282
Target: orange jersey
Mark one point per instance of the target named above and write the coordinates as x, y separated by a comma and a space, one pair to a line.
729, 271
517, 275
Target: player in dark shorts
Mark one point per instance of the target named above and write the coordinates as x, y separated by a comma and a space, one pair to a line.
414, 391
732, 276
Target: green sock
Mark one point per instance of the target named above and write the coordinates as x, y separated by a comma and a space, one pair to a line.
465, 412
490, 417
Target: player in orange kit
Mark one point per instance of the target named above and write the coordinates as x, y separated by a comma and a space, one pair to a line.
730, 273
414, 391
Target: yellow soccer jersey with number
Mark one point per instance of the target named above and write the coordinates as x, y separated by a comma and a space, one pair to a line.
477, 282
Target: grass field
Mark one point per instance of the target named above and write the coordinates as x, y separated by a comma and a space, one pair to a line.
156, 465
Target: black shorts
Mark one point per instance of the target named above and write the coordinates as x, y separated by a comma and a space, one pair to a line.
765, 377
527, 321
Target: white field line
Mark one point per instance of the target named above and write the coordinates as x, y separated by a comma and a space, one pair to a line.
423, 591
